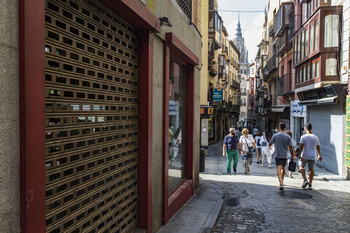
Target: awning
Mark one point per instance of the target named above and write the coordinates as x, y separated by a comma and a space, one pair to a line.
328, 100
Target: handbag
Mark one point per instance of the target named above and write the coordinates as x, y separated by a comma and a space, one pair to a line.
291, 166
264, 143
250, 148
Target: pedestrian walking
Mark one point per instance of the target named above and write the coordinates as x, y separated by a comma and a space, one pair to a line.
230, 150
282, 142
265, 151
308, 149
258, 140
255, 131
247, 146
289, 154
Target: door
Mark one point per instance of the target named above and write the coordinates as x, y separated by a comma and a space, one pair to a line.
92, 95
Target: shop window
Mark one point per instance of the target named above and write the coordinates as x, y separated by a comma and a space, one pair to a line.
331, 66
331, 31
177, 116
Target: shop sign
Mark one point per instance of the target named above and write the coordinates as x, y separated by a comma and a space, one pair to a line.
347, 152
297, 110
217, 94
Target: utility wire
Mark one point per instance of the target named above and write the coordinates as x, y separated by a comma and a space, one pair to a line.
240, 11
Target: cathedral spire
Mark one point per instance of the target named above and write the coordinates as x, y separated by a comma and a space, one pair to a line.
239, 30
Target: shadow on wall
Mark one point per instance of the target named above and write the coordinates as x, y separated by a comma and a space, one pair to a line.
327, 122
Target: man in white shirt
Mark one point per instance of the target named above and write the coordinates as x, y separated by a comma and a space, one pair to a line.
308, 149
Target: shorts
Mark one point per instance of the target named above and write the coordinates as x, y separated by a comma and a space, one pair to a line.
281, 162
310, 163
259, 149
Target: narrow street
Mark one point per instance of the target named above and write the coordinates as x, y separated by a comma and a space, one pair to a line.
261, 206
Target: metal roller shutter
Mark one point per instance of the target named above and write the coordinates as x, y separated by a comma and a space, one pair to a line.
92, 96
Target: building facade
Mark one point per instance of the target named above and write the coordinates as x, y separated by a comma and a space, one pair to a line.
320, 81
108, 131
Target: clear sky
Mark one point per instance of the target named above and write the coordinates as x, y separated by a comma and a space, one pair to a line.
251, 23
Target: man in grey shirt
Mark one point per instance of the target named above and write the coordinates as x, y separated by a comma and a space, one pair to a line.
283, 143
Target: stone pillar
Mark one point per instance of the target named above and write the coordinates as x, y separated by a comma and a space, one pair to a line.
9, 118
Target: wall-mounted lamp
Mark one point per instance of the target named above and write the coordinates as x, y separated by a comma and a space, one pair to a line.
165, 21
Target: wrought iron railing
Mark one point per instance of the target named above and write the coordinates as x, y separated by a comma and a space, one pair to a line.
186, 6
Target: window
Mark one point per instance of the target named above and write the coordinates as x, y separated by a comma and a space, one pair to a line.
304, 74
316, 34
331, 31
308, 72
331, 66
177, 124
297, 77
186, 7
307, 42
313, 71
317, 69
302, 45
298, 50
312, 38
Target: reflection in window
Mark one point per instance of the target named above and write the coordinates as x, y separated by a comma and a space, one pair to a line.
312, 38
331, 66
331, 31
177, 116
317, 69
313, 71
316, 34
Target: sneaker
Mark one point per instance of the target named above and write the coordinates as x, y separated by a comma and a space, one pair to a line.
234, 171
305, 183
229, 173
309, 187
270, 167
281, 187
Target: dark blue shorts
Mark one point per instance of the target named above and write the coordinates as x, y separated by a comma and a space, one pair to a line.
281, 162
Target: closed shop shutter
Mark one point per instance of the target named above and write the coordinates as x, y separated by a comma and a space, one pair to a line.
327, 124
92, 96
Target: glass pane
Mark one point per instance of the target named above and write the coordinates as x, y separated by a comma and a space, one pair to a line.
177, 100
312, 38
317, 69
316, 34
306, 42
331, 31
331, 66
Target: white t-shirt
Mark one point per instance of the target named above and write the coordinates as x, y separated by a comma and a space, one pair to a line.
310, 142
257, 138
244, 141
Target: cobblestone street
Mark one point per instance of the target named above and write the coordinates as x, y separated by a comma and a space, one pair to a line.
263, 208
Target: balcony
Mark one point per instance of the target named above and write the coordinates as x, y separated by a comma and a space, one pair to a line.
283, 85
271, 65
251, 114
283, 18
186, 6
267, 103
213, 5
294, 26
284, 43
235, 84
213, 68
271, 28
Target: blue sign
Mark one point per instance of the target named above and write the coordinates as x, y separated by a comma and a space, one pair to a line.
217, 94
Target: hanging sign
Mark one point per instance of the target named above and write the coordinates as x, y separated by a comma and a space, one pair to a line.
217, 94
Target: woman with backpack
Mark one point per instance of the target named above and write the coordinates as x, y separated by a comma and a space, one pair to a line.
265, 151
258, 146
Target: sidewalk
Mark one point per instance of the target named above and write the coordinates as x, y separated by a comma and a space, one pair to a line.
210, 211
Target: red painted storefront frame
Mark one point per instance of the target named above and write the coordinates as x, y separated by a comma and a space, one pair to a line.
173, 47
32, 108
